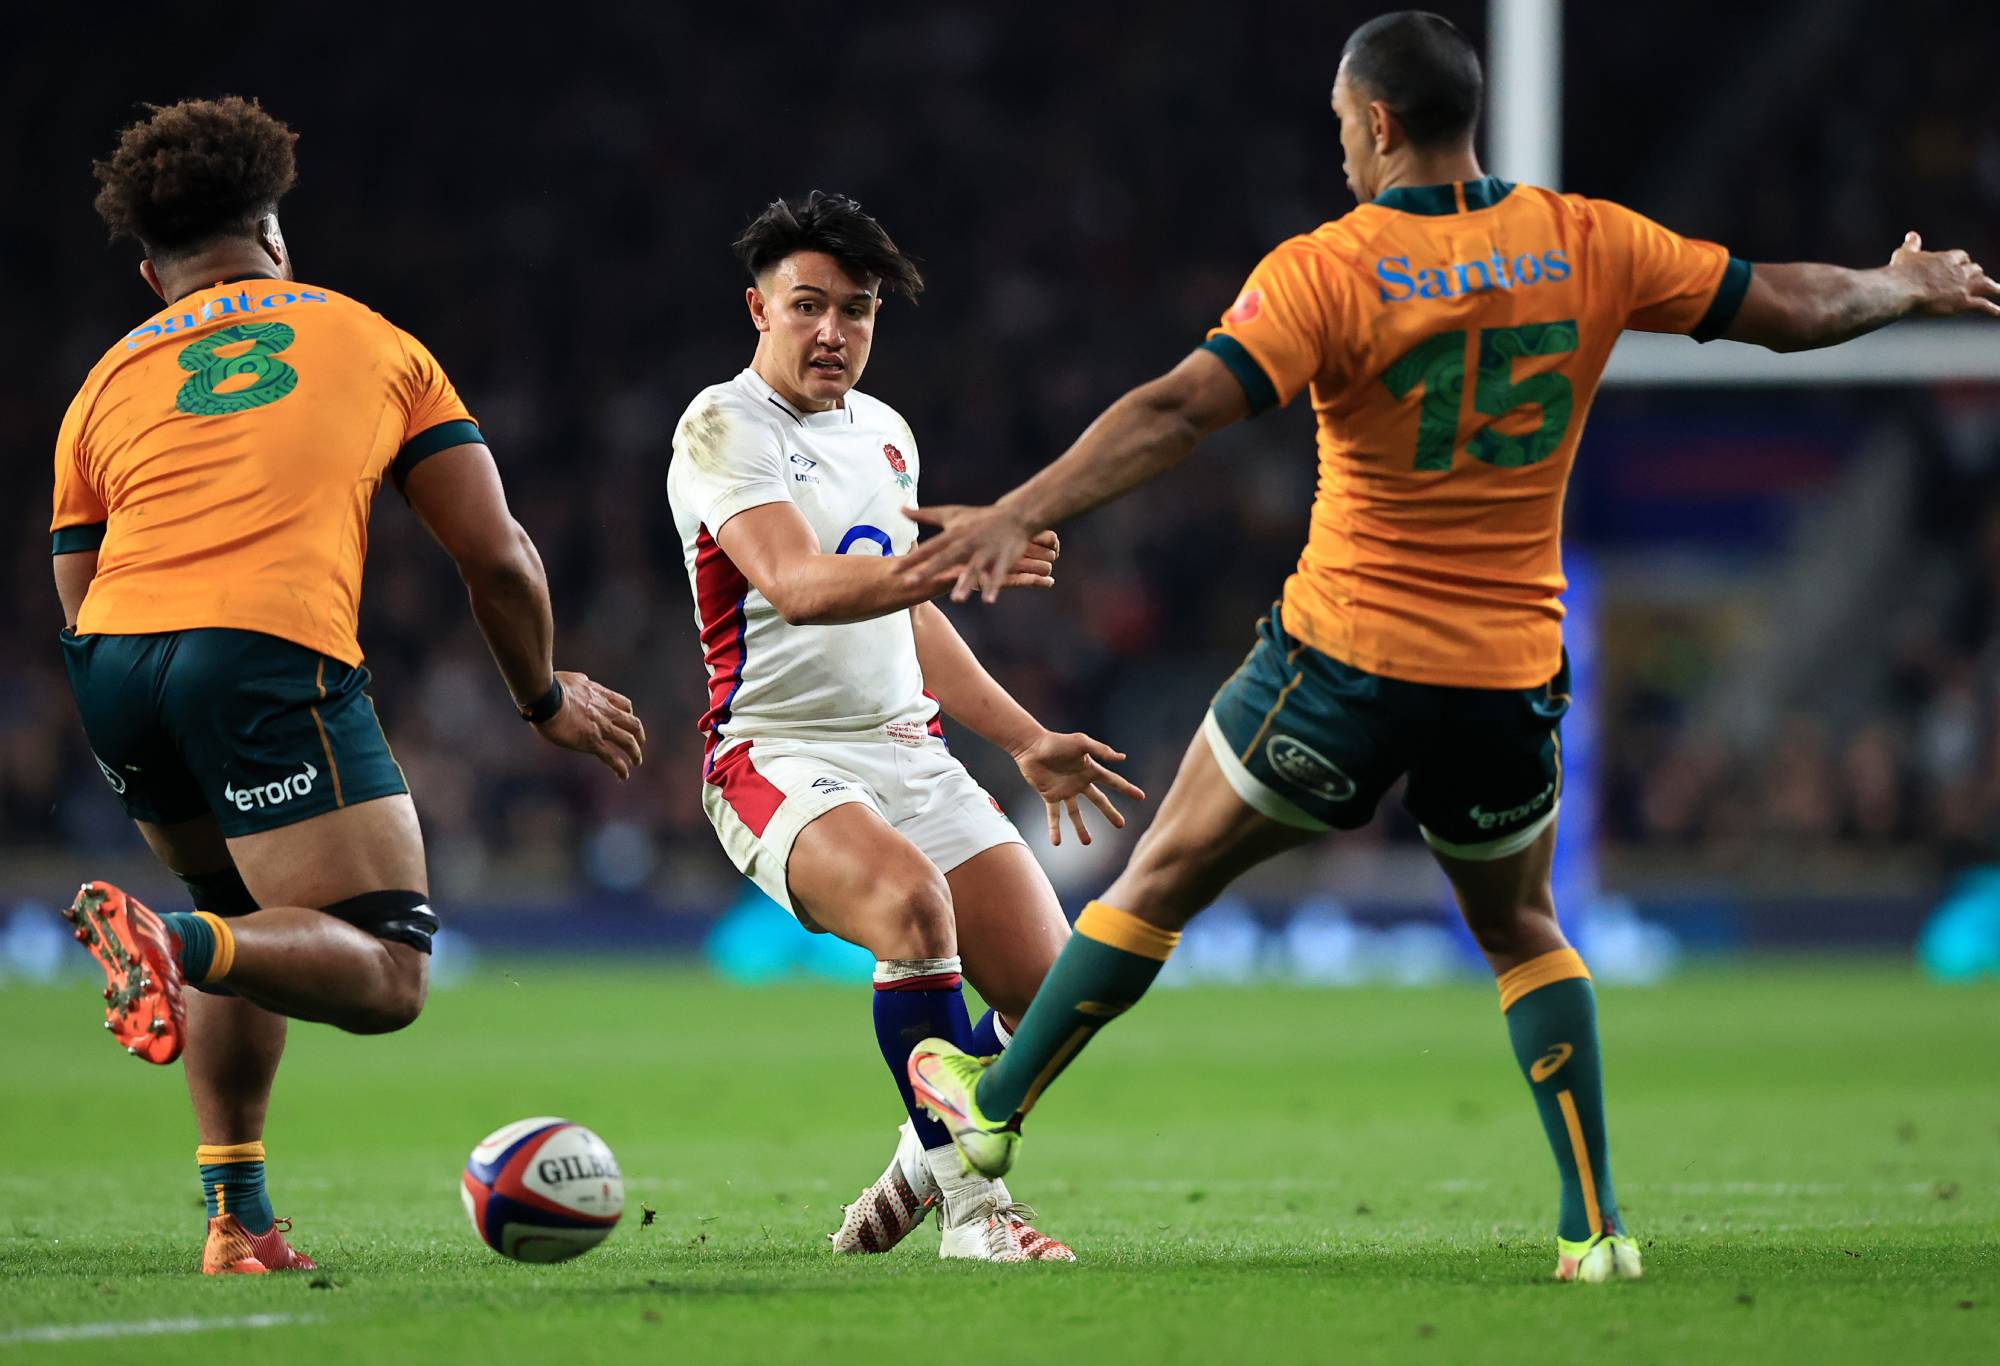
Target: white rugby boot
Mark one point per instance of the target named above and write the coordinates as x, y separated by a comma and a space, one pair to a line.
888, 1210
982, 1220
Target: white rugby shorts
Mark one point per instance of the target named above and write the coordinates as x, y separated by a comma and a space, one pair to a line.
761, 793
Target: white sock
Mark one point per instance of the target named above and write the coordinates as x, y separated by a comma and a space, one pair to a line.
966, 1194
915, 1162
1000, 1030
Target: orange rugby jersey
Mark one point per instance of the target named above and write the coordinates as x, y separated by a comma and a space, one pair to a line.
1453, 337
222, 457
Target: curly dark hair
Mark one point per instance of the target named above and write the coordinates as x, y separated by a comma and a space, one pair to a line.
836, 225
195, 171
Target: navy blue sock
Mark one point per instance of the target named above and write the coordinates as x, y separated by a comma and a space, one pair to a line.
986, 1040
918, 999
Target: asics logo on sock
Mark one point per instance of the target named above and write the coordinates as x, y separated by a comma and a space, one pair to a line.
299, 784
1550, 1062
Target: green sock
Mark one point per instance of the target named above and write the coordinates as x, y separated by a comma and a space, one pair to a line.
232, 1182
196, 940
1552, 1020
1103, 970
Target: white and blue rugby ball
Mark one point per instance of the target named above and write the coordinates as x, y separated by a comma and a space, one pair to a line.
543, 1190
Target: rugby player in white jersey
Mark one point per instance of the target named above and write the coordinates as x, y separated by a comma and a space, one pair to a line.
827, 776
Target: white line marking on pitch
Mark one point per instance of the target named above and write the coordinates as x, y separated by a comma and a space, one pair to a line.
137, 1328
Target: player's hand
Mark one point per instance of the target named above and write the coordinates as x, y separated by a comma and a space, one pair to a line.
597, 721
987, 545
1947, 282
1037, 566
1062, 768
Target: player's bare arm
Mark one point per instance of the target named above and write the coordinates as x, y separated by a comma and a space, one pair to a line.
1061, 768
1800, 306
458, 496
1145, 433
74, 572
778, 553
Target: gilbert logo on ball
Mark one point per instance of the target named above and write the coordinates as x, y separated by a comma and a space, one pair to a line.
543, 1190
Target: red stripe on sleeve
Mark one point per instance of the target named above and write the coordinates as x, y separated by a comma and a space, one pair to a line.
719, 591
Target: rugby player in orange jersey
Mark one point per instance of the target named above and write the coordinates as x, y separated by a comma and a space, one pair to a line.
1452, 331
212, 486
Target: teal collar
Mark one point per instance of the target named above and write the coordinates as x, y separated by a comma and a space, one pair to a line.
1439, 200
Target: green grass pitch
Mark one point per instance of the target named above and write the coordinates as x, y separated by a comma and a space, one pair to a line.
1810, 1153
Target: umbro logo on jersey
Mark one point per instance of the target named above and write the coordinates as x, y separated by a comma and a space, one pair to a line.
829, 785
1550, 1062
802, 469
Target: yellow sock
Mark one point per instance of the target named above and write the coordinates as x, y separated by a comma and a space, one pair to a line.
224, 957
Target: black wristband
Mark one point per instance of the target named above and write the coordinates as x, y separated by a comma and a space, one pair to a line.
544, 707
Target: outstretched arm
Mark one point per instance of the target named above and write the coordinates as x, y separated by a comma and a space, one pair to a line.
777, 551
458, 497
1801, 306
1060, 768
1148, 431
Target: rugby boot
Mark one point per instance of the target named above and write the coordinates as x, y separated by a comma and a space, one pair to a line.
945, 1079
983, 1222
1606, 1257
232, 1250
143, 1004
889, 1210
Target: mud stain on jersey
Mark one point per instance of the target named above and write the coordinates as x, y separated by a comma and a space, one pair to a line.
703, 436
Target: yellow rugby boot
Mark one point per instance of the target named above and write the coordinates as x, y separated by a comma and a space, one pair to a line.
945, 1078
1608, 1256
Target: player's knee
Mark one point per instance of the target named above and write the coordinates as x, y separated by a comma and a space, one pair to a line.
399, 995
1167, 882
914, 919
405, 923
1517, 931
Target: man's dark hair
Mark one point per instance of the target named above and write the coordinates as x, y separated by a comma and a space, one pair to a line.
193, 172
834, 224
1424, 69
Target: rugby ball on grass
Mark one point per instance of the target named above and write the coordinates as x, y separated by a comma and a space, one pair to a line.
543, 1190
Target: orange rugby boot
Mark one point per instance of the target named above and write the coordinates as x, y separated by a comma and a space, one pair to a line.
143, 1005
233, 1250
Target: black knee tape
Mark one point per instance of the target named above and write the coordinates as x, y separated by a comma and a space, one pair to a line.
400, 917
220, 893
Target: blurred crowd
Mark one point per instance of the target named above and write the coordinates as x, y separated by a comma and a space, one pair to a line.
1086, 192
1898, 750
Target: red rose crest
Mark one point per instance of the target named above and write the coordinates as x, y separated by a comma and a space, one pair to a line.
896, 463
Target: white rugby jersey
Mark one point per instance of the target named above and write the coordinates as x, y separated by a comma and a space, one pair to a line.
850, 471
